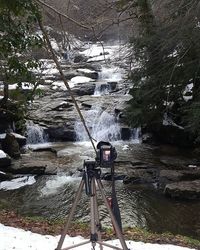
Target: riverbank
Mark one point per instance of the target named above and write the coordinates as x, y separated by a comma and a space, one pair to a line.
54, 227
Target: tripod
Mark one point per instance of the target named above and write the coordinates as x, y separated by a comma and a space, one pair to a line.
91, 177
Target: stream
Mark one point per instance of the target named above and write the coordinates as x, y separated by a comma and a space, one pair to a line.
141, 205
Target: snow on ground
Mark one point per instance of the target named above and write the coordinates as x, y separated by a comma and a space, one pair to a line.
97, 52
16, 183
18, 239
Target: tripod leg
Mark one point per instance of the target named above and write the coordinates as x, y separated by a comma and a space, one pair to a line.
77, 198
94, 235
94, 217
115, 224
98, 226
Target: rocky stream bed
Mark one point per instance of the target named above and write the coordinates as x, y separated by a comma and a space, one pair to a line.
145, 174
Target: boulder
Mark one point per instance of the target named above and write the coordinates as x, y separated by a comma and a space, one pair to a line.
189, 190
5, 160
11, 146
20, 139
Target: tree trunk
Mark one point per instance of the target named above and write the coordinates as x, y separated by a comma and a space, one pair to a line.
6, 95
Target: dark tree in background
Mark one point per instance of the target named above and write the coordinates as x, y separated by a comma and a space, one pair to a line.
17, 39
166, 73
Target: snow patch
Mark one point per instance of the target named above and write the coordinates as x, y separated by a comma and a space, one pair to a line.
19, 239
2, 154
85, 71
80, 79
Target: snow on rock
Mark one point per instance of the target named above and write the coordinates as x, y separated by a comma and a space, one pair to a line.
2, 154
50, 71
61, 85
167, 121
17, 183
187, 93
18, 136
18, 239
86, 71
80, 79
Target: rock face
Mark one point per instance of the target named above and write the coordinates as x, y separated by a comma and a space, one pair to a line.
183, 190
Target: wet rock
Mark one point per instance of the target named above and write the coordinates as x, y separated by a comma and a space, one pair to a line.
148, 138
61, 133
145, 175
168, 176
84, 89
108, 177
33, 167
112, 86
88, 73
183, 190
171, 175
176, 163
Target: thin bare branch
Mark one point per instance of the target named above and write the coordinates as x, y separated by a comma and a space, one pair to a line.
63, 15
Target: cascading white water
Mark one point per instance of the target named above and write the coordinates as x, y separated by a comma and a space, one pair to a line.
35, 133
136, 135
106, 75
110, 74
102, 125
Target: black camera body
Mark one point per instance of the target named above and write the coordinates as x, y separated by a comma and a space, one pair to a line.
106, 154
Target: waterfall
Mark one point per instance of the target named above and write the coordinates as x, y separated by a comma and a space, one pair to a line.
136, 135
35, 133
107, 77
102, 126
101, 89
110, 74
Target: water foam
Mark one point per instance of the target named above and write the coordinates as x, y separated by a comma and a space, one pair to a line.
53, 185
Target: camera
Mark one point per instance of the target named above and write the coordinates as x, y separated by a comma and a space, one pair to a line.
106, 154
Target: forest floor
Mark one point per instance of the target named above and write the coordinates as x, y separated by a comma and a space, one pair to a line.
54, 227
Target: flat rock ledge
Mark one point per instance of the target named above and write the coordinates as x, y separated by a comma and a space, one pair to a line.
183, 190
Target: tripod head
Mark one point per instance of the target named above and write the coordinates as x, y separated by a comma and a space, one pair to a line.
106, 154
